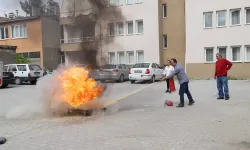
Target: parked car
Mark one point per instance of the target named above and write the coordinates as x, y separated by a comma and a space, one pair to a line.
6, 78
145, 71
119, 72
25, 72
93, 74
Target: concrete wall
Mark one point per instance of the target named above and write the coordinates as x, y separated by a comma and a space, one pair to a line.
197, 38
148, 41
51, 41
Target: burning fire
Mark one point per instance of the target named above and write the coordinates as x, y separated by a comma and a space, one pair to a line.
78, 88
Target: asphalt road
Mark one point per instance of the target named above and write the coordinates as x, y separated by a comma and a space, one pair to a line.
141, 122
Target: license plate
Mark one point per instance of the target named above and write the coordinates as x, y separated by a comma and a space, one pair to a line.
137, 71
37, 73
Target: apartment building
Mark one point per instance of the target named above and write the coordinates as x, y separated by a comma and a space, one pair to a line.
217, 27
149, 31
35, 37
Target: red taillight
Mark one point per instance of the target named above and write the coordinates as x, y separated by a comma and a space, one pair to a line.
116, 70
129, 72
147, 71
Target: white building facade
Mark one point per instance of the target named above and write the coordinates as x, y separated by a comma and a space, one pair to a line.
136, 37
217, 26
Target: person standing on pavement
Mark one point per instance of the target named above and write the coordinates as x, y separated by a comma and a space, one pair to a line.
222, 66
183, 81
168, 69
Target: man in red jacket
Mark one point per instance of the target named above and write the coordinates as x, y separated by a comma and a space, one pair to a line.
221, 67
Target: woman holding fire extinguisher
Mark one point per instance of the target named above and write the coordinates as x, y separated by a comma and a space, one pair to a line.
170, 82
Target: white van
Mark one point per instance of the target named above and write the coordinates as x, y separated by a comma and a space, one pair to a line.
25, 72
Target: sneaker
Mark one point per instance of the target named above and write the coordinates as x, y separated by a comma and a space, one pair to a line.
191, 102
180, 105
167, 91
227, 98
220, 98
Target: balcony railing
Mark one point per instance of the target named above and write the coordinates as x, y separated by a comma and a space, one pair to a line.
77, 40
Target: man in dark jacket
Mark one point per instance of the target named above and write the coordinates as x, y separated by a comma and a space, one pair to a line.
221, 67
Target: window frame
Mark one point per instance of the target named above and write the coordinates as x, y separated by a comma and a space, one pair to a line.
128, 3
204, 20
218, 50
110, 28
118, 57
240, 15
127, 22
205, 54
246, 8
19, 25
137, 21
137, 56
4, 28
110, 57
129, 52
163, 41
217, 19
164, 5
118, 4
231, 52
117, 28
246, 46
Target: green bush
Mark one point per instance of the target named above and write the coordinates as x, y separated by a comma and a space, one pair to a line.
20, 59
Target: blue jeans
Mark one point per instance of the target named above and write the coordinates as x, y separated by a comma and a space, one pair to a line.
184, 89
222, 82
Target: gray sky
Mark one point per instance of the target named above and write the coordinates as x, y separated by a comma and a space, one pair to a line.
7, 6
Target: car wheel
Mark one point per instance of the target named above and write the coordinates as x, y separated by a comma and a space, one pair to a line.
121, 78
153, 79
4, 86
33, 82
18, 81
132, 81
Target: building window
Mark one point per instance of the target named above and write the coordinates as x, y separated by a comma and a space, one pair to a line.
120, 2
112, 3
235, 17
139, 1
129, 2
111, 58
165, 41
139, 24
236, 54
131, 57
247, 15
248, 53
19, 31
140, 56
221, 18
208, 19
223, 51
209, 52
164, 10
120, 30
111, 29
4, 33
130, 27
121, 57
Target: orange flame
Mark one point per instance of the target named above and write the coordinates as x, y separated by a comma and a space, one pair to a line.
78, 88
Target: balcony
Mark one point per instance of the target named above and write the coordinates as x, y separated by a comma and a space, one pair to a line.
74, 44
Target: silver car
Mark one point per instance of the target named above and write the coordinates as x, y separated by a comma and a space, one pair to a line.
113, 72
94, 74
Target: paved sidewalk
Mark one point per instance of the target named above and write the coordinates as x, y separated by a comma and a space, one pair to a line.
142, 122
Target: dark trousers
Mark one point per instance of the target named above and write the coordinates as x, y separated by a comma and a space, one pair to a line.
184, 89
168, 84
222, 82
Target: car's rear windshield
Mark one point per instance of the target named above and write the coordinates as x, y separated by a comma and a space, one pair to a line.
35, 67
141, 65
21, 67
109, 67
5, 68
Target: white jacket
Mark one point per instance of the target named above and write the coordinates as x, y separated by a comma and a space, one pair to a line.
168, 69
